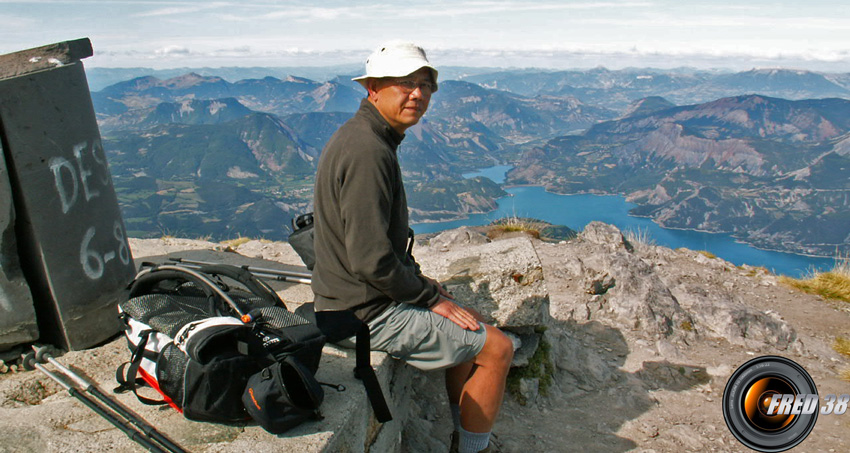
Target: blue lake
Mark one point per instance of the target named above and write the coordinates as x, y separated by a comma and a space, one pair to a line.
576, 211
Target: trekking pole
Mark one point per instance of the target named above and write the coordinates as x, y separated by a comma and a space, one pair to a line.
135, 436
41, 355
272, 274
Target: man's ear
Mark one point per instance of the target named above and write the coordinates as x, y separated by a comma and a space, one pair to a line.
372, 86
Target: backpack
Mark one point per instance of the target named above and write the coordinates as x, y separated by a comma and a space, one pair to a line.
301, 239
219, 345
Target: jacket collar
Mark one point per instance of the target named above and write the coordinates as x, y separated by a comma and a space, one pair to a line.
379, 124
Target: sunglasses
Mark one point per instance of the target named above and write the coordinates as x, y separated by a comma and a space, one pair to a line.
409, 86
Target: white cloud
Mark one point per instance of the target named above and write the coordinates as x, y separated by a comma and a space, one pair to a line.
317, 13
615, 59
387, 12
491, 7
170, 51
514, 32
771, 24
171, 11
16, 23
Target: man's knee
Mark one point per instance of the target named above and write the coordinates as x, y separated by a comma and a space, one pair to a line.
498, 348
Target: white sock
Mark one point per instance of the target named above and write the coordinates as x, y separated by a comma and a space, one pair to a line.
473, 442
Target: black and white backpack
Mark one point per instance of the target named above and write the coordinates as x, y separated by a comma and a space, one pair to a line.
219, 345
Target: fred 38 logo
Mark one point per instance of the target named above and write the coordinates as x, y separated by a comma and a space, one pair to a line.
771, 404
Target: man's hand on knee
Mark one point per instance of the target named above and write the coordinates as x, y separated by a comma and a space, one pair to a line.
455, 313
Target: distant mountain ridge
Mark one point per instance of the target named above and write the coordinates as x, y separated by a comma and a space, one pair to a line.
190, 111
100, 78
647, 105
272, 95
512, 115
617, 89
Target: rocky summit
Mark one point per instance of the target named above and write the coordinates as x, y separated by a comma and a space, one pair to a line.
621, 346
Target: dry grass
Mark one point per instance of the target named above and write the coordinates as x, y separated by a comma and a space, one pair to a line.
830, 285
834, 284
515, 224
707, 254
233, 243
842, 346
753, 271
640, 236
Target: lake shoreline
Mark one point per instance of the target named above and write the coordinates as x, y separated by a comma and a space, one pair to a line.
575, 210
662, 225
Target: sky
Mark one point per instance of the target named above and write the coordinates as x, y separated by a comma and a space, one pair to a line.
161, 34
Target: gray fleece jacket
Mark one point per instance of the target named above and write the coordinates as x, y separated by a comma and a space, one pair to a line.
361, 222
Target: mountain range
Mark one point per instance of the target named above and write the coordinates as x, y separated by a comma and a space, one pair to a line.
269, 94
773, 172
200, 155
617, 89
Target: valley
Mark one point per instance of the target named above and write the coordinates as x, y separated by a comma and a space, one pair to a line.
201, 156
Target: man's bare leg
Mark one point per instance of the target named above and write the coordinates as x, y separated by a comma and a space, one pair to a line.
481, 397
479, 386
456, 378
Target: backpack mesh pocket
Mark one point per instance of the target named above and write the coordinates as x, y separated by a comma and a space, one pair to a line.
170, 369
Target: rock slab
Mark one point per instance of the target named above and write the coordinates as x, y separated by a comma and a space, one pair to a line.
502, 280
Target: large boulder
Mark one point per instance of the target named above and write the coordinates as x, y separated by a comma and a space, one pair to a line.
503, 280
611, 282
640, 287
459, 237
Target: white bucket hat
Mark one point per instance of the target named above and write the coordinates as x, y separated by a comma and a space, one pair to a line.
396, 59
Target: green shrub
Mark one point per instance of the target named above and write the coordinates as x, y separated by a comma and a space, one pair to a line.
539, 367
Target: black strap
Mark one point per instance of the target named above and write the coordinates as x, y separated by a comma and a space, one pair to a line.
245, 277
130, 381
411, 238
338, 325
364, 371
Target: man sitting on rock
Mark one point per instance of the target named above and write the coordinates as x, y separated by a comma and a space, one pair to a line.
363, 260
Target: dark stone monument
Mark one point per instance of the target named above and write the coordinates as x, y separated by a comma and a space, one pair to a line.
17, 314
71, 238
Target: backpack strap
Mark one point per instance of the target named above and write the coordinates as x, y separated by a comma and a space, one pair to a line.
245, 277
338, 325
130, 380
149, 277
366, 373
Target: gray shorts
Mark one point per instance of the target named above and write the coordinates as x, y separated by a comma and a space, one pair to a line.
423, 338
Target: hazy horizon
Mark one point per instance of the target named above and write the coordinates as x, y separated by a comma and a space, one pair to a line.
588, 64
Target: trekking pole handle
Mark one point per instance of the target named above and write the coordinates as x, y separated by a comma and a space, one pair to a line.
283, 278
42, 356
258, 270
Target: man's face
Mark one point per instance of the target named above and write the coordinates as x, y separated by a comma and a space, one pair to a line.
402, 100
